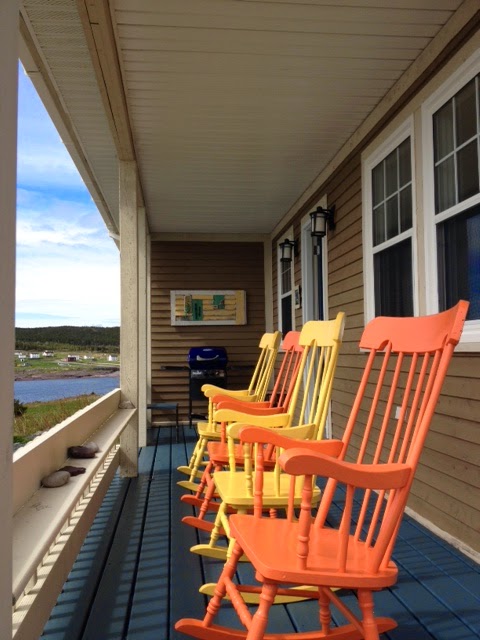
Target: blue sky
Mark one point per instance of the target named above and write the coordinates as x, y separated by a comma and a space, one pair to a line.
68, 269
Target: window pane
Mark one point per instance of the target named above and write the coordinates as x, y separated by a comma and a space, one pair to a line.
392, 217
378, 225
286, 315
458, 251
443, 131
404, 163
286, 276
465, 113
378, 184
406, 209
391, 178
445, 185
467, 171
393, 280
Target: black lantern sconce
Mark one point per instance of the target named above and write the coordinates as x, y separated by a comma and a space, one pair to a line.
288, 249
322, 219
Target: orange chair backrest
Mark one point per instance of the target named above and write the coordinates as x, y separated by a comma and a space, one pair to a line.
406, 365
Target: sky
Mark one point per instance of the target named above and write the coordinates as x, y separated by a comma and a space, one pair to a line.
68, 269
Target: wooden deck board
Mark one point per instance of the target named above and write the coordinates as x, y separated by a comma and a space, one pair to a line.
135, 575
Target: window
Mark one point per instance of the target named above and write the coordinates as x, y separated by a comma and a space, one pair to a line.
388, 228
451, 121
456, 135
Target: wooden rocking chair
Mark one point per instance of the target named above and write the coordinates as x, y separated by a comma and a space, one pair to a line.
256, 392
406, 366
279, 402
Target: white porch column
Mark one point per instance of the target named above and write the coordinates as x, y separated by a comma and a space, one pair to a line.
129, 314
142, 326
8, 176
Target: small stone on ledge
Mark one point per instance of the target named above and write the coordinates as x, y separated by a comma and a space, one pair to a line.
56, 479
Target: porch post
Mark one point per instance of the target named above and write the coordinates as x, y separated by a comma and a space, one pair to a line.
142, 327
129, 314
9, 12
149, 318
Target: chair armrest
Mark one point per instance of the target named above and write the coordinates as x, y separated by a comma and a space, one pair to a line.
285, 437
301, 461
211, 390
277, 420
270, 435
239, 404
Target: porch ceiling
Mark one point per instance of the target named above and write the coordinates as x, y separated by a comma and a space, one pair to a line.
235, 106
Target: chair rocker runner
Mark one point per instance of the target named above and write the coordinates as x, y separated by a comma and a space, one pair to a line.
407, 363
280, 402
256, 391
321, 344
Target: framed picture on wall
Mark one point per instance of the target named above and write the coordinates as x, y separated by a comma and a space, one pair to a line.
207, 307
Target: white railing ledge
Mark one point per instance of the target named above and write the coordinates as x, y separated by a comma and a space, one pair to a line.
48, 451
38, 523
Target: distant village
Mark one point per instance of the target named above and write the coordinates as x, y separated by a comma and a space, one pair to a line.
35, 355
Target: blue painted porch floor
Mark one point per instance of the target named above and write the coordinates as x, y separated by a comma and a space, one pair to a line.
135, 575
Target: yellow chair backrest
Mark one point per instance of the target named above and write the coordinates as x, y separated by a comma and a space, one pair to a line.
269, 345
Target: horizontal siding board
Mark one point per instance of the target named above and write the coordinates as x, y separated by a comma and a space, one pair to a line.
211, 266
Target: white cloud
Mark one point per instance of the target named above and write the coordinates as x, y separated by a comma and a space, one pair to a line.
67, 266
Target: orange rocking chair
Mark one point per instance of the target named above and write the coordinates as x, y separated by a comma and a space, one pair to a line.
406, 365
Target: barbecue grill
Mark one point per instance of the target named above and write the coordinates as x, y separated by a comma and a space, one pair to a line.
207, 365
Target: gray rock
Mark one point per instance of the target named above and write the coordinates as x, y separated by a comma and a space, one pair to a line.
87, 450
56, 479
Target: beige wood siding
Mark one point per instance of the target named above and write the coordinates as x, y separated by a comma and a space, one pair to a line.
203, 265
447, 487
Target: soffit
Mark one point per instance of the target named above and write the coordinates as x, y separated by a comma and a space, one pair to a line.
235, 106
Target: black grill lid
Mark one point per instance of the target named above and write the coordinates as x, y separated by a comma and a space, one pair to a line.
207, 358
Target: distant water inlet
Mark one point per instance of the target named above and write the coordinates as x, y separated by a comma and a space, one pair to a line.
45, 390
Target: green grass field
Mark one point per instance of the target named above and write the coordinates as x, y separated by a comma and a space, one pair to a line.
40, 416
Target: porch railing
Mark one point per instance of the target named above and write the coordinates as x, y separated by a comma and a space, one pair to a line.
49, 525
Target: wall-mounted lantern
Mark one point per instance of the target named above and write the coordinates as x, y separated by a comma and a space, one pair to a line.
288, 249
321, 220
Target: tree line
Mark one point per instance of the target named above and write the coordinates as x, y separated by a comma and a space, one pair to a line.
62, 338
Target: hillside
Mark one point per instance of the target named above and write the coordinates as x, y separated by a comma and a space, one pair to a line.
86, 338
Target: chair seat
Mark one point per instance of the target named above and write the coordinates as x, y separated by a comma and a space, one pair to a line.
231, 490
271, 546
205, 431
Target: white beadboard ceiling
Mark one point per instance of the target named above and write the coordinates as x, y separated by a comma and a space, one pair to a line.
235, 105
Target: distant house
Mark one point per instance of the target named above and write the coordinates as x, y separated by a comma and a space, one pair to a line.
73, 358
48, 354
34, 356
113, 358
21, 356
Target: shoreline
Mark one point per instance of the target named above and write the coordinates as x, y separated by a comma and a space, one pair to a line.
65, 375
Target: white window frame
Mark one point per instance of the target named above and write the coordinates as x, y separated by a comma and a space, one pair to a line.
406, 130
288, 234
470, 340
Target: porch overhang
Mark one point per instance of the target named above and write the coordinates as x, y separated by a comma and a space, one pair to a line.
233, 111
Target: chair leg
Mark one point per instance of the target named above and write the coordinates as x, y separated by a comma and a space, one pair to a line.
228, 571
212, 550
198, 458
370, 628
260, 618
